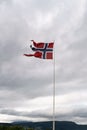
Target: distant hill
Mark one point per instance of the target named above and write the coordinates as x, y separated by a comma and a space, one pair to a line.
60, 125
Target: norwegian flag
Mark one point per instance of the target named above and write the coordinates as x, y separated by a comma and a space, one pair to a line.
42, 50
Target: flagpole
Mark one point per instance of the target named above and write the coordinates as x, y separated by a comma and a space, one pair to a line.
54, 90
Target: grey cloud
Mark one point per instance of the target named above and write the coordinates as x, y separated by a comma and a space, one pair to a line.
5, 1
41, 6
34, 114
24, 78
81, 113
26, 88
41, 114
8, 112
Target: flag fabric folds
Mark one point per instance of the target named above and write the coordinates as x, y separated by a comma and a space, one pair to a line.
42, 50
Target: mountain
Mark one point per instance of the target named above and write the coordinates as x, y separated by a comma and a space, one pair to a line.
60, 125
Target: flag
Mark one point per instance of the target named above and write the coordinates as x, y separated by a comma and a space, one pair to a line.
42, 50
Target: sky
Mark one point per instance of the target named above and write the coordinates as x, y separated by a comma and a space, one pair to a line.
26, 84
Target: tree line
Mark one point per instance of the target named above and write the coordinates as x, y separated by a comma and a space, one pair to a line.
14, 128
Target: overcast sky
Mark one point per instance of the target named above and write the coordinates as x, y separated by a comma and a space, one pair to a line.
26, 84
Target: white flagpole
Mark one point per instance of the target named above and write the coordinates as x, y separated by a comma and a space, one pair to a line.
54, 90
